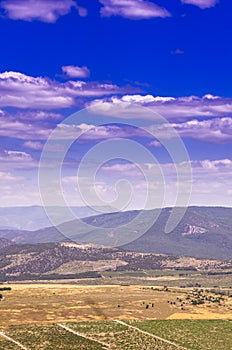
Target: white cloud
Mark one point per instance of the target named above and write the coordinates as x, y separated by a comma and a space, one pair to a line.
214, 130
203, 4
5, 177
132, 9
169, 107
211, 181
217, 130
23, 91
220, 165
198, 166
76, 72
38, 116
10, 159
177, 52
11, 127
154, 143
16, 155
35, 145
147, 99
42, 10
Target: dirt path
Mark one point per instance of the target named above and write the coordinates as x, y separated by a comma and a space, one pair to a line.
106, 346
151, 335
3, 335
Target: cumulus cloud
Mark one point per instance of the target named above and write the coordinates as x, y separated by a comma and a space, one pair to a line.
42, 10
76, 72
171, 108
132, 9
203, 4
23, 91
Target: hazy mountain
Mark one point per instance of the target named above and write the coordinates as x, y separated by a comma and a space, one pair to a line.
204, 232
5, 243
35, 217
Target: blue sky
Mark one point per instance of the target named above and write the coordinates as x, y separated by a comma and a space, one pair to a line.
171, 56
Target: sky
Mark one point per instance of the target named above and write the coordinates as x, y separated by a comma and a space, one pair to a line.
123, 103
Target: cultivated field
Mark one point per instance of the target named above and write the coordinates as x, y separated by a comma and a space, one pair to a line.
116, 335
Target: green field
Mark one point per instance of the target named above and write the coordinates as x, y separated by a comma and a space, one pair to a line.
100, 335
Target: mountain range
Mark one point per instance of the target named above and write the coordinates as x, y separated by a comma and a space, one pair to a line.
203, 232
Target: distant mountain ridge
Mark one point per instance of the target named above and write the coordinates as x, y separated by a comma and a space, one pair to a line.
34, 217
204, 232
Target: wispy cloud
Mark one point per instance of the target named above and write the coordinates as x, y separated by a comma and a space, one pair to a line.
23, 91
177, 52
13, 128
154, 143
217, 130
94, 133
213, 130
76, 72
7, 176
34, 132
11, 159
132, 9
199, 167
37, 116
203, 4
34, 145
211, 180
42, 10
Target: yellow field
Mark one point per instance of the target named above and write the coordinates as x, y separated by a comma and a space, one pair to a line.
47, 303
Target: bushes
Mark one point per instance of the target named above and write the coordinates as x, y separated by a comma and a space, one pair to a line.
2, 289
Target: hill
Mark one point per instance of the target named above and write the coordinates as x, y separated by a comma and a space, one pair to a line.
68, 259
5, 243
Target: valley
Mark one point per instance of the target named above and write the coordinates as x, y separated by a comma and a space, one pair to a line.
58, 293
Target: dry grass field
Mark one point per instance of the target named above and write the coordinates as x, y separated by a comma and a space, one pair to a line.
48, 303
